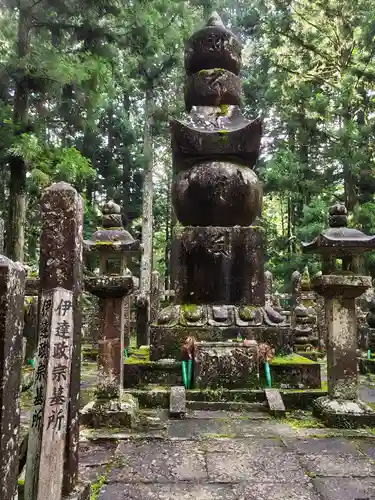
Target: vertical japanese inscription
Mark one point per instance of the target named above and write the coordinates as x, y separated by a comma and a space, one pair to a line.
51, 396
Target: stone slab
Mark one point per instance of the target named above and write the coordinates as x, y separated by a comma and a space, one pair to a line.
195, 428
275, 402
162, 461
92, 453
243, 446
234, 467
330, 446
189, 491
345, 488
225, 364
367, 446
340, 465
274, 491
182, 491
177, 403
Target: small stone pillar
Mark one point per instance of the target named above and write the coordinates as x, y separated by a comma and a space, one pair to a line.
142, 320
113, 245
12, 287
340, 284
304, 318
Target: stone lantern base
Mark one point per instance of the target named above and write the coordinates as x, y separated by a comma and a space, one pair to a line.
121, 412
344, 413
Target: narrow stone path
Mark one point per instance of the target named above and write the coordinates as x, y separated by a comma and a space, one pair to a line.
231, 456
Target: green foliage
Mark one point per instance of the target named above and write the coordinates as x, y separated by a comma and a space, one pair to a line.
308, 70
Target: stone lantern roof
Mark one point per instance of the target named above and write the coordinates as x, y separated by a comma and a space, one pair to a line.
112, 237
339, 240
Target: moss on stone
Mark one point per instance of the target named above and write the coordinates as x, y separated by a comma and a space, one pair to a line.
246, 312
224, 109
257, 228
210, 71
291, 359
219, 436
138, 361
305, 422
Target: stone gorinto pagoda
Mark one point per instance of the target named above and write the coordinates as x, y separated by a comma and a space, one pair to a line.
216, 197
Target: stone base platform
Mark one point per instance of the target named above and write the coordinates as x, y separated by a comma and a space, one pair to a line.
142, 373
166, 341
295, 372
120, 412
159, 397
343, 413
366, 365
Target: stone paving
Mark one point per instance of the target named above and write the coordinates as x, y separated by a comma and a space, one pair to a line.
231, 456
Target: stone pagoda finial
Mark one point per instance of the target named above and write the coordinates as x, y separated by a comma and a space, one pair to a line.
215, 20
338, 215
212, 64
112, 217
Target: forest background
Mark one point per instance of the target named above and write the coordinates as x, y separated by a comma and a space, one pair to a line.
87, 89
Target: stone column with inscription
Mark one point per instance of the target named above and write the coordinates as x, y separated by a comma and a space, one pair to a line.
49, 415
61, 266
114, 246
340, 284
12, 286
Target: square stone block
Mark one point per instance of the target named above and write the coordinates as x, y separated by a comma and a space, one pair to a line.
226, 364
296, 375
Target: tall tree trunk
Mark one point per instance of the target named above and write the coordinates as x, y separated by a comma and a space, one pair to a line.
18, 168
126, 162
168, 234
146, 261
350, 175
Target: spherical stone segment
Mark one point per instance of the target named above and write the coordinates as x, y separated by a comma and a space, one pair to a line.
217, 194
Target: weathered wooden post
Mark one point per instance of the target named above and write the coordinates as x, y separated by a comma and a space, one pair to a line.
12, 288
54, 419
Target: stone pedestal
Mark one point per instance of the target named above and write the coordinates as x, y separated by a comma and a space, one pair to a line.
342, 404
112, 292
226, 364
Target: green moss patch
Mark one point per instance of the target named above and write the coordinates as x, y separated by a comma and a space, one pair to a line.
302, 420
133, 360
291, 359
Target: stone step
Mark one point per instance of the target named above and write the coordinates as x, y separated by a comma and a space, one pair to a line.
235, 406
226, 395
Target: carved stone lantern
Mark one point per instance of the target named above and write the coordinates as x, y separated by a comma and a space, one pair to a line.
115, 247
340, 284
